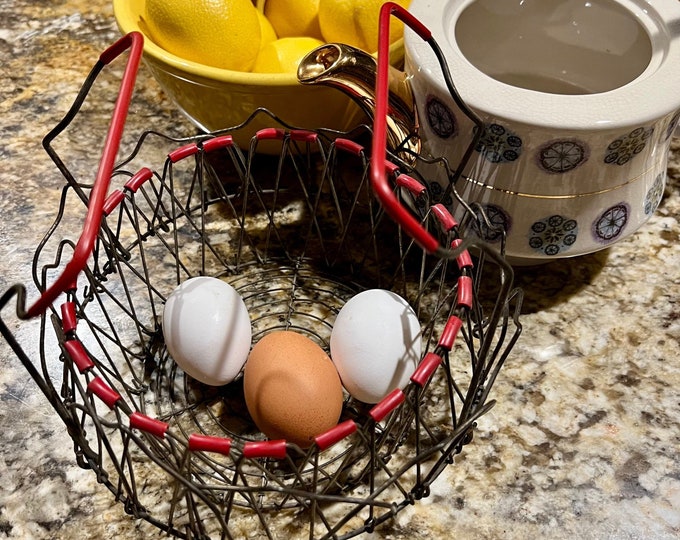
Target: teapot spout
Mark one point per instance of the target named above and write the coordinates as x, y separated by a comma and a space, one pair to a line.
354, 72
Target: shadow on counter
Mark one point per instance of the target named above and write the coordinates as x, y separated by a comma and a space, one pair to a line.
552, 283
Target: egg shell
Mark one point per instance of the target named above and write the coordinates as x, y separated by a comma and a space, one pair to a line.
292, 389
375, 344
207, 330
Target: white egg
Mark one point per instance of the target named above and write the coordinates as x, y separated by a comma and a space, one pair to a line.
375, 344
207, 330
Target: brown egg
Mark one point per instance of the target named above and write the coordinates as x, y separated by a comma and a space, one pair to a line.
292, 388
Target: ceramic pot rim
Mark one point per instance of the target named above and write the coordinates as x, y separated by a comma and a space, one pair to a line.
656, 88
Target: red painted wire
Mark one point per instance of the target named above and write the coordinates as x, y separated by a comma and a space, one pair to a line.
85, 245
381, 186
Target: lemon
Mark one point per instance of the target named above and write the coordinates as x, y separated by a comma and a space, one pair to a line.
220, 33
266, 30
284, 54
355, 22
291, 18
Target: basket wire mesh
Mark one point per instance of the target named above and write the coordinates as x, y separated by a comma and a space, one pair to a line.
297, 232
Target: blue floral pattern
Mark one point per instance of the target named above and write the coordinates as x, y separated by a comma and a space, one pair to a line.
553, 235
672, 125
655, 194
498, 144
439, 195
499, 223
625, 148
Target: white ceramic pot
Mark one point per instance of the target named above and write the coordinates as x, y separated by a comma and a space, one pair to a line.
579, 99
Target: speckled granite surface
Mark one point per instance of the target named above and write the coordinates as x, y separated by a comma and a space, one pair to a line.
583, 443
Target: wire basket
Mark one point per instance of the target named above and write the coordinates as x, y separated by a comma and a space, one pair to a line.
297, 232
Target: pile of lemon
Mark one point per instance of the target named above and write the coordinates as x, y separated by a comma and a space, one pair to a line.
270, 38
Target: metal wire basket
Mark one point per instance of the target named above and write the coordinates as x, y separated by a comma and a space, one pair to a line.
297, 232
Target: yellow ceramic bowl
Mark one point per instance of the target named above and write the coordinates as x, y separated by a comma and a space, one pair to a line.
215, 99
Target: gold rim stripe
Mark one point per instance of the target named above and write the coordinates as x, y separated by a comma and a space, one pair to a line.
567, 196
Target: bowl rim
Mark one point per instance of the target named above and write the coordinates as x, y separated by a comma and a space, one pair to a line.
128, 18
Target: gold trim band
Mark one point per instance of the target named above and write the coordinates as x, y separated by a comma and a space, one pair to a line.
573, 196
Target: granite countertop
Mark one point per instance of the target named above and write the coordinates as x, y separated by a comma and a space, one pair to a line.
583, 442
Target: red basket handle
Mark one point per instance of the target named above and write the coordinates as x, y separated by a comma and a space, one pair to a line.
379, 172
379, 181
85, 245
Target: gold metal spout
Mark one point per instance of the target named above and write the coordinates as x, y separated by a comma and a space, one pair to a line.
354, 72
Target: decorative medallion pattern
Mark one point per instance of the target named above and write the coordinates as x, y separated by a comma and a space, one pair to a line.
439, 195
655, 194
440, 118
672, 125
499, 222
562, 156
611, 223
498, 144
553, 235
625, 148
